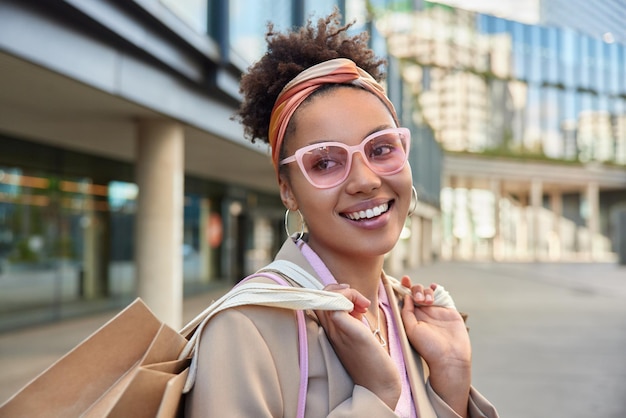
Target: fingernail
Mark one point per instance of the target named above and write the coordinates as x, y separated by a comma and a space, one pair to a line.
429, 298
419, 296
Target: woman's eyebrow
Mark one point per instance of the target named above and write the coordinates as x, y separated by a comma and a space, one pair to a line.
373, 131
378, 129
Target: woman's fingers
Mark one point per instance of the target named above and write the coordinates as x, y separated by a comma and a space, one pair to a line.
360, 302
421, 295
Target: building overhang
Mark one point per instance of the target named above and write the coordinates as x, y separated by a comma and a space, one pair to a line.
516, 175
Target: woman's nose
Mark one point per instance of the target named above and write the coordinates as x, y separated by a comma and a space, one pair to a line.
361, 178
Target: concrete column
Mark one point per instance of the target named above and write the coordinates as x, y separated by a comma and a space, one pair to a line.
508, 223
556, 204
91, 249
415, 243
159, 220
204, 249
453, 242
496, 242
427, 237
536, 194
463, 248
94, 270
593, 219
521, 231
470, 242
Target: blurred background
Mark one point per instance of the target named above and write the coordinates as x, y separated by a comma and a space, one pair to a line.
118, 154
122, 174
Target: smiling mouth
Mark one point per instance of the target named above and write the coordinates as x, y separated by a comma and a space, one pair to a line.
368, 213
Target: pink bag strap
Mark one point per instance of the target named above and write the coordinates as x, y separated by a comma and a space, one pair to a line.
303, 352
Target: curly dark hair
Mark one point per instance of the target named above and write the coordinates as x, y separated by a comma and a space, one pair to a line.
290, 53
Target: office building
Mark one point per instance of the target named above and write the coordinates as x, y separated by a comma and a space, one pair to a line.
531, 119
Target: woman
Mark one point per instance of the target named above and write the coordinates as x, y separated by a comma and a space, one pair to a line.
341, 161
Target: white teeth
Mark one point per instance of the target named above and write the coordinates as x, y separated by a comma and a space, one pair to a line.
369, 213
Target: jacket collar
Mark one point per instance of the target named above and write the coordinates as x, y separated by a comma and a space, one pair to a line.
290, 252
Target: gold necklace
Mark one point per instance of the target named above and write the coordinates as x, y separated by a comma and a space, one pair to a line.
376, 331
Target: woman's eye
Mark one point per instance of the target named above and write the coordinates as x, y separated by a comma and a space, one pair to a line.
324, 164
381, 150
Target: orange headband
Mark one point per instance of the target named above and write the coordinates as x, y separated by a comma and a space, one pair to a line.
335, 71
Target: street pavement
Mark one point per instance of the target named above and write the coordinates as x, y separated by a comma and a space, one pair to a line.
548, 339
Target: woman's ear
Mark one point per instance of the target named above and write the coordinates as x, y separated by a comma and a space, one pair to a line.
286, 194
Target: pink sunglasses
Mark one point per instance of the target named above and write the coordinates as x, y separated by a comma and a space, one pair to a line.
327, 164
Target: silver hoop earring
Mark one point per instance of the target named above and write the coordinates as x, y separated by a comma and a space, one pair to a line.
414, 201
300, 233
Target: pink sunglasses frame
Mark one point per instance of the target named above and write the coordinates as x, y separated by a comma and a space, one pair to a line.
351, 149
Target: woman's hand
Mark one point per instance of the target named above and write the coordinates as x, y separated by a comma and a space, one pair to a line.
366, 361
439, 335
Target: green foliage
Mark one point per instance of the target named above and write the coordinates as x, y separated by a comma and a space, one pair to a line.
391, 6
22, 253
518, 154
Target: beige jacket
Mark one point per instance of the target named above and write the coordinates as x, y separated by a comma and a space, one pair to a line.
248, 367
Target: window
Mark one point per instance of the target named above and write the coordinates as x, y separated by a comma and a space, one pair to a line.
318, 8
193, 12
248, 23
568, 57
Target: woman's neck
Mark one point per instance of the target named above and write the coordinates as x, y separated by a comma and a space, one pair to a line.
361, 273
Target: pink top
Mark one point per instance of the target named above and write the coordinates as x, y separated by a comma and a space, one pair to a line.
405, 407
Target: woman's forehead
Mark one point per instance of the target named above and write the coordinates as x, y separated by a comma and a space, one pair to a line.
340, 112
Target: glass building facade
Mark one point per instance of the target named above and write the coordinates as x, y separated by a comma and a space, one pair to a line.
67, 226
486, 83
